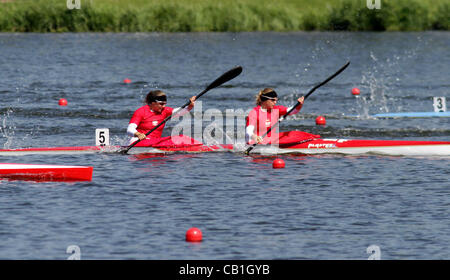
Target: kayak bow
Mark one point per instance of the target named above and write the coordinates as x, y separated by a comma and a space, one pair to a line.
41, 172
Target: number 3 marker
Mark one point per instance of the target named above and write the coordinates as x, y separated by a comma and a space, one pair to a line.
439, 104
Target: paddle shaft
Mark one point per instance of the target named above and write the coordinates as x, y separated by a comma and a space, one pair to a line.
282, 118
229, 75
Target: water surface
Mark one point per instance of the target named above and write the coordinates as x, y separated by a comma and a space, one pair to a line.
318, 207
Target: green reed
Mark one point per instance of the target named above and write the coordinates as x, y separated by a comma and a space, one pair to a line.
222, 16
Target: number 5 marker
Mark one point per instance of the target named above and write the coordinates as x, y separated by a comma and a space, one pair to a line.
102, 137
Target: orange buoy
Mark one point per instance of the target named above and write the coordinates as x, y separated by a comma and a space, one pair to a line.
320, 120
62, 102
278, 163
355, 91
194, 235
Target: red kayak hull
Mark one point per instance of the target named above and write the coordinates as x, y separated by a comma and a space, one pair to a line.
42, 172
59, 150
358, 146
301, 146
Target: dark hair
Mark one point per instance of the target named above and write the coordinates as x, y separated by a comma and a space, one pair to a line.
155, 95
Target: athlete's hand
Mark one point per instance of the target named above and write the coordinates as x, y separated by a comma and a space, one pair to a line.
192, 104
257, 139
141, 136
300, 101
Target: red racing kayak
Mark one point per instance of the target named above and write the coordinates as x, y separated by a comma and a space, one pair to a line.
290, 142
358, 147
43, 172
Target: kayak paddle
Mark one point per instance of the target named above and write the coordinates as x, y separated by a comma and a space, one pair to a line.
231, 74
282, 118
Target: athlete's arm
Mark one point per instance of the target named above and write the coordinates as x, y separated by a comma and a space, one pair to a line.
132, 131
178, 112
298, 108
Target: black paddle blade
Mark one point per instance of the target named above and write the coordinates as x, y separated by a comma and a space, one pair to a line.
328, 79
233, 73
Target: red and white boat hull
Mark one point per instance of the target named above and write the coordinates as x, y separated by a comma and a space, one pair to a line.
309, 147
57, 150
380, 147
43, 172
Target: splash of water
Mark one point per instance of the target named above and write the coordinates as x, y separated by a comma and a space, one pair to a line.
7, 131
377, 88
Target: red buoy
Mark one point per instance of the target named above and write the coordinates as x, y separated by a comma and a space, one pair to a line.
127, 81
355, 91
320, 120
194, 235
278, 163
62, 102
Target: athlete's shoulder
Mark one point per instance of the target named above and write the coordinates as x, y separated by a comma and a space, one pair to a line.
144, 108
254, 112
141, 111
256, 109
281, 109
139, 114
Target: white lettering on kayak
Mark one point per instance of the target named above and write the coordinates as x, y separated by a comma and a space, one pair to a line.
321, 146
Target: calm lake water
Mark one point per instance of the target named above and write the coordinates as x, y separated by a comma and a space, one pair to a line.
318, 207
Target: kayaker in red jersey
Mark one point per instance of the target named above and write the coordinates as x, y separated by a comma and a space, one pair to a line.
155, 111
265, 115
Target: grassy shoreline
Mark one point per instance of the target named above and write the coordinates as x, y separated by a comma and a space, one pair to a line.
222, 16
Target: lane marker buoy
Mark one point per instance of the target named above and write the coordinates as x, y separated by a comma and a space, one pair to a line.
278, 163
355, 91
62, 102
320, 120
194, 235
